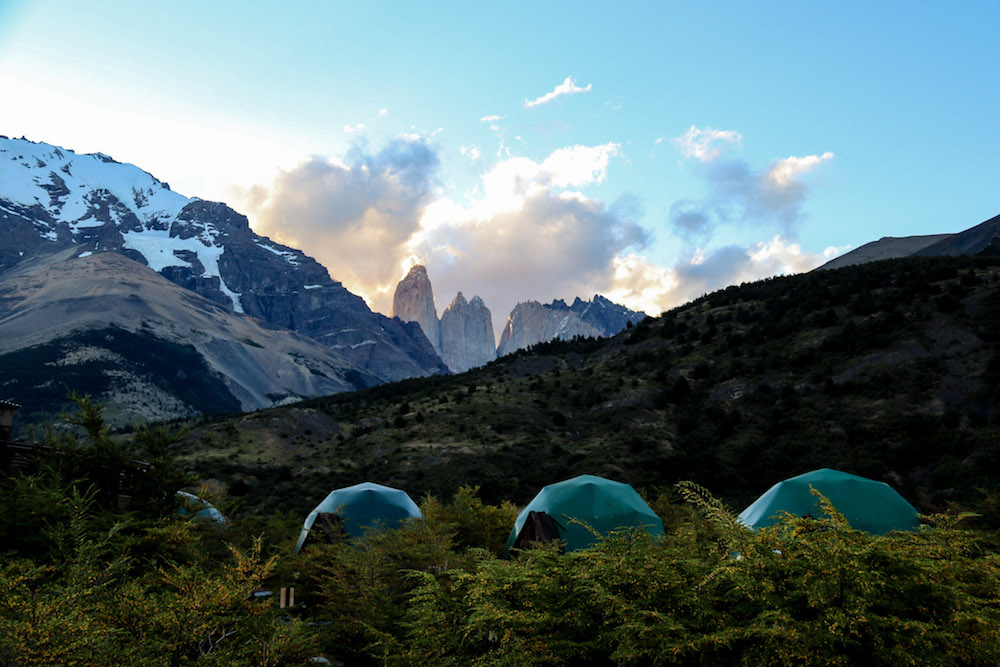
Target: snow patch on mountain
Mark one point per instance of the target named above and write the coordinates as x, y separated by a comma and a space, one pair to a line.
161, 251
287, 255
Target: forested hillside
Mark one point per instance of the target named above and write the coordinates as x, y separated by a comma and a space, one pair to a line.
889, 370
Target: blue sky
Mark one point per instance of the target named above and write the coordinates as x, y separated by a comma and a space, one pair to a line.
693, 144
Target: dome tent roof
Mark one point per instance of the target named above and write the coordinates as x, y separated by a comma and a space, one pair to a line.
602, 504
203, 510
868, 505
362, 506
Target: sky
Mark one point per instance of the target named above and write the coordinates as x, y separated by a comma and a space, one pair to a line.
649, 152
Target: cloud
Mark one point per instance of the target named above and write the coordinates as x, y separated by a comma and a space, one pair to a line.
689, 219
471, 152
530, 235
531, 232
491, 119
738, 193
703, 144
643, 285
783, 173
353, 129
512, 179
552, 245
567, 87
355, 218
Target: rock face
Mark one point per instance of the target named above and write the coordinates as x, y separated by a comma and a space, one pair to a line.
467, 337
605, 315
105, 325
52, 198
532, 322
413, 301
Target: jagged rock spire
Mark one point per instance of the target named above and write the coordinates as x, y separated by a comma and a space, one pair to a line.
414, 302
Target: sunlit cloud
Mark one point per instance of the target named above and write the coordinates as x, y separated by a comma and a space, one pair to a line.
642, 285
567, 87
528, 231
705, 144
355, 217
784, 173
353, 129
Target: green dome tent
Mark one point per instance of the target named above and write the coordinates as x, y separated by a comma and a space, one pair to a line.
602, 504
871, 506
361, 506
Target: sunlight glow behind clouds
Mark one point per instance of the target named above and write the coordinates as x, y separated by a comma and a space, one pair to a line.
530, 230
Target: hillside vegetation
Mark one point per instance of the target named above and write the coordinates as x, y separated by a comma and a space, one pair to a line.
889, 370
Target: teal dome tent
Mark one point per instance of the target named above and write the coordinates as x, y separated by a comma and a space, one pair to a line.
602, 504
362, 506
871, 506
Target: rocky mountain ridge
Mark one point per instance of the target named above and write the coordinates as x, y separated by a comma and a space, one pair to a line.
463, 336
532, 322
51, 199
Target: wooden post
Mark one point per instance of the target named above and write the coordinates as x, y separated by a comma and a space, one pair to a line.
291, 597
281, 597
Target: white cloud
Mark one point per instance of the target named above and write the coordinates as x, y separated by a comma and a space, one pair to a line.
567, 87
552, 245
703, 144
471, 152
784, 173
579, 165
511, 180
353, 129
383, 112
642, 285
355, 217
491, 119
529, 233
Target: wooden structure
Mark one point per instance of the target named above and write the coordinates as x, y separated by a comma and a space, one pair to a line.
7, 410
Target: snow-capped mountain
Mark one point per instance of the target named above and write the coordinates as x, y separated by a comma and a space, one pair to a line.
52, 198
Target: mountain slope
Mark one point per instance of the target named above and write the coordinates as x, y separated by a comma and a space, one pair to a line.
970, 242
984, 237
887, 247
52, 198
103, 324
